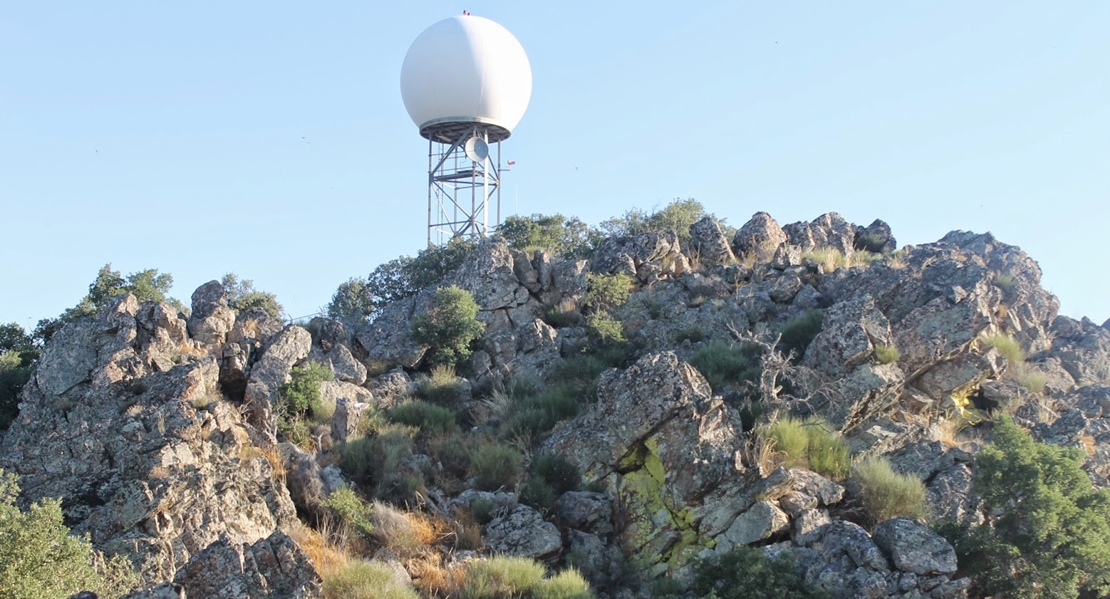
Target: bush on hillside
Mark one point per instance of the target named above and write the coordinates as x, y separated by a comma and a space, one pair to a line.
449, 327
566, 238
810, 443
352, 303
243, 297
1049, 533
799, 331
724, 364
405, 276
495, 466
39, 559
360, 579
146, 285
886, 494
747, 573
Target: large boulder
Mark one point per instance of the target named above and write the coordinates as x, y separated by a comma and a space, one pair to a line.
850, 332
1083, 349
876, 238
273, 568
669, 452
211, 319
272, 371
523, 532
646, 257
828, 231
759, 238
912, 547
710, 243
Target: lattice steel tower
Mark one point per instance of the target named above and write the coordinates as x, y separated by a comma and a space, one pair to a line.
466, 83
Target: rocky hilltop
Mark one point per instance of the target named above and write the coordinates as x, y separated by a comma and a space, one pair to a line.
163, 433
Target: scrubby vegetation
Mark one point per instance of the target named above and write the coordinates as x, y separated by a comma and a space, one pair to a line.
746, 573
243, 297
17, 361
885, 494
39, 559
300, 402
449, 326
1049, 531
809, 443
799, 331
726, 364
562, 237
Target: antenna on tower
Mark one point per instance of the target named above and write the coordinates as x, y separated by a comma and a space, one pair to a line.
466, 83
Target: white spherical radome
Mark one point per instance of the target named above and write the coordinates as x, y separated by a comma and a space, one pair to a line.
466, 69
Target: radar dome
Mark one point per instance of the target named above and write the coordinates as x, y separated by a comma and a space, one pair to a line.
465, 70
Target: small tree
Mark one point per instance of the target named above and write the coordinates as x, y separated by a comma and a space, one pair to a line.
405, 276
564, 237
146, 285
353, 302
1049, 531
450, 326
242, 296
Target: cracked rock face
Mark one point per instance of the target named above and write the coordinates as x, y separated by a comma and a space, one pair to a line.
124, 420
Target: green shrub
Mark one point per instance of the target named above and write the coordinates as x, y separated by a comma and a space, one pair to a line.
350, 511
885, 354
827, 453
449, 326
361, 579
442, 388
799, 331
530, 416
16, 368
567, 584
353, 302
537, 493
406, 276
723, 364
482, 509
691, 334
39, 559
812, 444
376, 461
557, 471
567, 238
243, 297
676, 216
747, 573
301, 395
559, 318
1003, 281
604, 292
885, 494
1008, 347
495, 466
501, 577
604, 329
1033, 381
429, 418
790, 439
1049, 530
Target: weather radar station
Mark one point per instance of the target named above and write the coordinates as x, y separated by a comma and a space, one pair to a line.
466, 83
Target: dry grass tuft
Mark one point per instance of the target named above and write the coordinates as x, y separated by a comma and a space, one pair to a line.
407, 534
328, 558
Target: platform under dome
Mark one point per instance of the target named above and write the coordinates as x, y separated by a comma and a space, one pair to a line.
465, 70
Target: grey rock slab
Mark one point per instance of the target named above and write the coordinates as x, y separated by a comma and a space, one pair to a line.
912, 547
523, 532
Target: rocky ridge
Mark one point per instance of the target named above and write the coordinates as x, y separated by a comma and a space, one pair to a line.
158, 428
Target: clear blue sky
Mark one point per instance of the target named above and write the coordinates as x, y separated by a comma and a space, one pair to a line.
269, 138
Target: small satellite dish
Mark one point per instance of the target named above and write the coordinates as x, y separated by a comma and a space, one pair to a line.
476, 149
